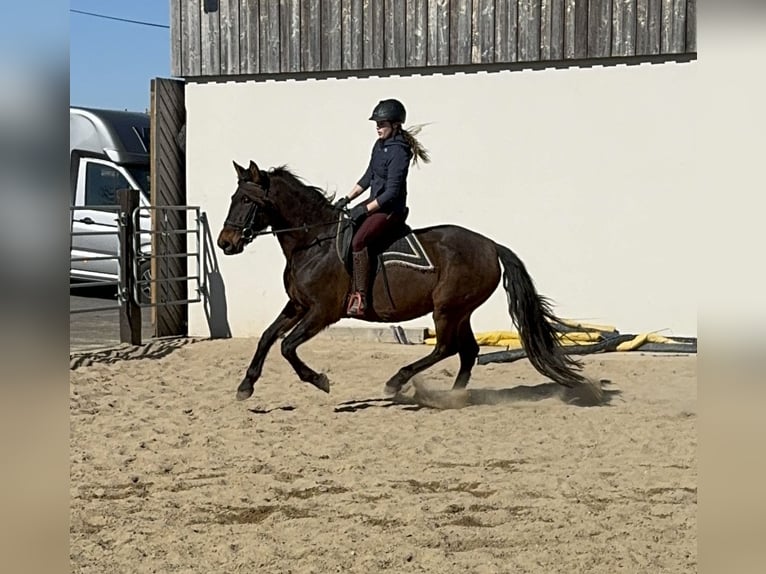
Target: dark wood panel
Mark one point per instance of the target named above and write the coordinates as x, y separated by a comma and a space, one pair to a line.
290, 35
654, 32
395, 20
438, 32
357, 35
529, 30
416, 28
624, 28
269, 44
506, 39
546, 29
311, 36
168, 187
460, 31
373, 34
249, 37
352, 34
192, 34
557, 29
599, 28
642, 26
483, 32
230, 60
176, 38
691, 26
210, 30
582, 13
665, 22
332, 48
570, 26
678, 28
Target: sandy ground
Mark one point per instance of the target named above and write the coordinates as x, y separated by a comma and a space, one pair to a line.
170, 474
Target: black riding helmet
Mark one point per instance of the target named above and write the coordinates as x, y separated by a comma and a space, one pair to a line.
389, 111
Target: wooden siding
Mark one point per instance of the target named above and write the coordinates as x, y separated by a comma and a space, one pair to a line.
250, 37
168, 187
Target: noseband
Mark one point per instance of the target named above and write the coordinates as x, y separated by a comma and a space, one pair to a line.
245, 227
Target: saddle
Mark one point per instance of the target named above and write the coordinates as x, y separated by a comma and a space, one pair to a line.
400, 247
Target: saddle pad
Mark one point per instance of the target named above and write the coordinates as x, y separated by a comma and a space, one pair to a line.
407, 251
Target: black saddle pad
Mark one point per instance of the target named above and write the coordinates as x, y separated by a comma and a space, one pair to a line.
402, 248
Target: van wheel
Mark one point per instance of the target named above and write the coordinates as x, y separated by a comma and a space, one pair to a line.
145, 289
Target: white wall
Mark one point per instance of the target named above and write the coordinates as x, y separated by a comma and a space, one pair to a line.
588, 174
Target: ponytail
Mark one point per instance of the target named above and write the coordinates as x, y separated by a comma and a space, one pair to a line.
418, 151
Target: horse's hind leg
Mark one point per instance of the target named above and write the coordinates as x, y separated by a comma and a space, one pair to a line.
469, 350
311, 325
289, 316
446, 346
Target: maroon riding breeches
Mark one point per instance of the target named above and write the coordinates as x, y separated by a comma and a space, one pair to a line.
373, 228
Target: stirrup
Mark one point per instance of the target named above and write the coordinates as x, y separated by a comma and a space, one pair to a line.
356, 307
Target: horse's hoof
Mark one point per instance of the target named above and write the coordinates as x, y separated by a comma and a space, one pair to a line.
391, 390
322, 383
244, 392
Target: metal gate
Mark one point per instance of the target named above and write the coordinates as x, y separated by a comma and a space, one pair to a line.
137, 229
156, 272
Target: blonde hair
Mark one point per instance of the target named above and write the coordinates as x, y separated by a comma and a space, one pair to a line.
418, 151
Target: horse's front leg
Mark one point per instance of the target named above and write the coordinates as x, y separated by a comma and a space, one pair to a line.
312, 324
287, 319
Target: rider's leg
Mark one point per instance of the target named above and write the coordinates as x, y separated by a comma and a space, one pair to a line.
371, 228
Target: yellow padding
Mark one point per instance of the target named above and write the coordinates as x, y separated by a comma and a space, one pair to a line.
511, 338
588, 326
641, 340
589, 335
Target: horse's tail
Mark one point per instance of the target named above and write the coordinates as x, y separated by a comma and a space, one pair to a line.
532, 316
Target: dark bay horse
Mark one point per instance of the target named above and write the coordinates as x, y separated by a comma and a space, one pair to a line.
467, 271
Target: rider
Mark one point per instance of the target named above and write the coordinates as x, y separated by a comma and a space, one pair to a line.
386, 207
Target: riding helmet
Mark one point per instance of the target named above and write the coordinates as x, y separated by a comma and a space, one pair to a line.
389, 111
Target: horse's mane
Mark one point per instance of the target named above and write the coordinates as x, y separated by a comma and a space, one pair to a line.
311, 193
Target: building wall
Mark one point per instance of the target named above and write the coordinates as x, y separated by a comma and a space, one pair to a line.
586, 173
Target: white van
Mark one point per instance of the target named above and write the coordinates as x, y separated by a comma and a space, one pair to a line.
109, 150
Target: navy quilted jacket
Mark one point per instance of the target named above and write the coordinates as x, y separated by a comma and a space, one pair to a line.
386, 176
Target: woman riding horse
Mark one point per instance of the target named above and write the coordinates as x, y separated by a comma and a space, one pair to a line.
470, 267
386, 209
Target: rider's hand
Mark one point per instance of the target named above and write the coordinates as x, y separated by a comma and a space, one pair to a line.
342, 202
358, 213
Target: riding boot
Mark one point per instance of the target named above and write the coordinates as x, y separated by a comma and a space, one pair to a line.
357, 303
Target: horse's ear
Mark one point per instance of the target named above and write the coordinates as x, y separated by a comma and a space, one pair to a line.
255, 173
239, 169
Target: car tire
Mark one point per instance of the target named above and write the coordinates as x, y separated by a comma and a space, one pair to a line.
145, 289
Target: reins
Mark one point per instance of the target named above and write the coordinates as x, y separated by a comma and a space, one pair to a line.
246, 227
305, 227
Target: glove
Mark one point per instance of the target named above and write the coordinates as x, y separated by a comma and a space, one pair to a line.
341, 203
358, 213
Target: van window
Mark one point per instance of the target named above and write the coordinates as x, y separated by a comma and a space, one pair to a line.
141, 174
101, 184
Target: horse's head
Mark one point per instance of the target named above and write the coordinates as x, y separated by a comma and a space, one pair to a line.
248, 211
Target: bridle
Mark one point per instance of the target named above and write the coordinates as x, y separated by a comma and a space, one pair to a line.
245, 227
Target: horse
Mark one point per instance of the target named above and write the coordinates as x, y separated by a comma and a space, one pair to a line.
466, 271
